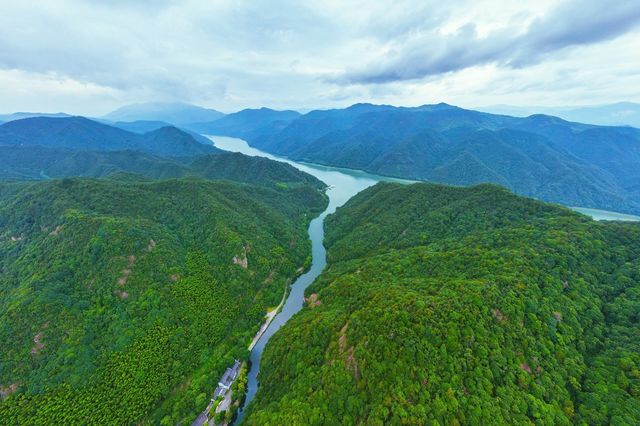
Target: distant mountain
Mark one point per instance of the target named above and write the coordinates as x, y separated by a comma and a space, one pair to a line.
171, 112
618, 114
139, 126
80, 133
144, 126
248, 123
539, 156
21, 115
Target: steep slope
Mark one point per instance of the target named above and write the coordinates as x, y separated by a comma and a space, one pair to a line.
37, 163
445, 305
123, 301
540, 156
176, 113
79, 133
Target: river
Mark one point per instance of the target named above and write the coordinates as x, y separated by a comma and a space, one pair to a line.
344, 183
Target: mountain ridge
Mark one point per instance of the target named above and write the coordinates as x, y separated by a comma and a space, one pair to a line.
383, 139
81, 133
176, 113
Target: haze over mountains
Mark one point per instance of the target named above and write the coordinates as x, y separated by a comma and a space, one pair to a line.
618, 114
172, 112
539, 156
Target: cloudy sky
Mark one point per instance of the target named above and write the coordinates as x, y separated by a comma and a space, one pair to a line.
88, 57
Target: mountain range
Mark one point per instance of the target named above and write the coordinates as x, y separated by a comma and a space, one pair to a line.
79, 133
21, 115
248, 123
135, 265
539, 156
176, 113
618, 114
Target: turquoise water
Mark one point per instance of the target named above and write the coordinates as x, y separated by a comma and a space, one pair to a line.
606, 215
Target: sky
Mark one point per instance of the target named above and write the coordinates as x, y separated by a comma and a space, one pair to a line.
90, 57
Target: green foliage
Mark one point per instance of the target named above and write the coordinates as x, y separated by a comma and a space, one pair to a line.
538, 156
120, 301
445, 305
36, 162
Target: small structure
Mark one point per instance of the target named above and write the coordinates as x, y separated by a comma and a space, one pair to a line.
229, 376
224, 385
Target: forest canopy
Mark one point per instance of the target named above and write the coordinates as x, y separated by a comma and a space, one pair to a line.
444, 305
122, 300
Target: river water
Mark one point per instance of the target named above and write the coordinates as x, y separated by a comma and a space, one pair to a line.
344, 183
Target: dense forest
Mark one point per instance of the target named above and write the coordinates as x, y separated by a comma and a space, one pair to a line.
444, 305
539, 156
122, 300
83, 134
37, 163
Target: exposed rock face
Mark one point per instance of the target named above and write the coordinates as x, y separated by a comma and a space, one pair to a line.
38, 345
313, 300
499, 316
5, 391
56, 231
242, 259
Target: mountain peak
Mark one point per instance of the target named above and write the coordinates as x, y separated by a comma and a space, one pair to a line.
171, 112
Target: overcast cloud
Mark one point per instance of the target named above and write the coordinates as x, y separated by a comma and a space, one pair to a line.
88, 57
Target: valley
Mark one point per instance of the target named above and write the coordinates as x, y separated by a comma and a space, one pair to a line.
122, 300
344, 184
302, 213
473, 305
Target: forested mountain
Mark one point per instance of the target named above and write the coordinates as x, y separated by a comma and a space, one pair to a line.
79, 133
445, 305
247, 124
176, 113
122, 301
36, 163
539, 156
618, 114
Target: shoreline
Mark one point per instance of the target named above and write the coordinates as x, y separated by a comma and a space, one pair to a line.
269, 316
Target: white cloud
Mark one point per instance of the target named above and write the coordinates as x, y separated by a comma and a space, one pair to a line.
90, 56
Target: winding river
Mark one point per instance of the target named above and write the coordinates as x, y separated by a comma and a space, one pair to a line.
344, 184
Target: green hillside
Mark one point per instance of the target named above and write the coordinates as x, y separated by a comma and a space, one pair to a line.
445, 305
123, 301
539, 156
37, 163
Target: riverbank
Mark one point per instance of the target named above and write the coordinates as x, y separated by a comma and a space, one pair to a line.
343, 184
269, 317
